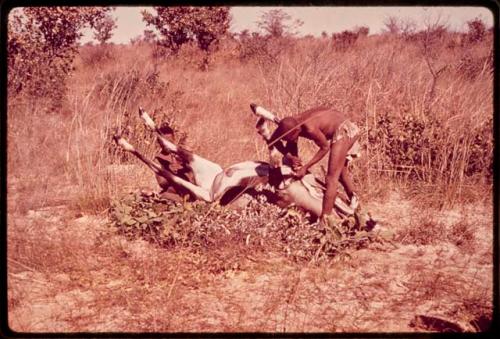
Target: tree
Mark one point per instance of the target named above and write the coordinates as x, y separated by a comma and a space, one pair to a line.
103, 29
244, 35
476, 30
361, 30
149, 36
391, 24
180, 25
277, 23
344, 39
430, 40
435, 29
41, 45
406, 26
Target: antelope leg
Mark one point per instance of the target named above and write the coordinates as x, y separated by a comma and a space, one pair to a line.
124, 144
204, 171
197, 191
264, 113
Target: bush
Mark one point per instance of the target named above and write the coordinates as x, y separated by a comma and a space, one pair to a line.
476, 30
402, 142
95, 56
471, 67
180, 25
362, 31
344, 40
42, 44
422, 149
263, 50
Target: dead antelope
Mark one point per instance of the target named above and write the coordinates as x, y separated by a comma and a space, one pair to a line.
213, 183
210, 181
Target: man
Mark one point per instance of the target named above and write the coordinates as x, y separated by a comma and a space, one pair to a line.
331, 131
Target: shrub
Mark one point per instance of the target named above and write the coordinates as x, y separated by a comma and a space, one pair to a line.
362, 31
422, 149
476, 30
96, 56
180, 25
471, 67
401, 141
344, 40
42, 43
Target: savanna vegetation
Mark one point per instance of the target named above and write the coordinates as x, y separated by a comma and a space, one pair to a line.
423, 99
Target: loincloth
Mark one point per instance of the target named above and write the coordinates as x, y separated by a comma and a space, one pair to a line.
348, 129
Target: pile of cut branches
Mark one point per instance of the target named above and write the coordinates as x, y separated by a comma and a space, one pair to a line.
203, 227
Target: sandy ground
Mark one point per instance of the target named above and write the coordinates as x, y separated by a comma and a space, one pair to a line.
69, 272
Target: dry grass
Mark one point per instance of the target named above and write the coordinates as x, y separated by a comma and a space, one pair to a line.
105, 92
426, 228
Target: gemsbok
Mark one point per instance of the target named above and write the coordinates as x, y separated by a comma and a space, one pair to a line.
210, 182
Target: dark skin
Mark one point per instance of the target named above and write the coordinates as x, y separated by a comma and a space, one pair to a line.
318, 125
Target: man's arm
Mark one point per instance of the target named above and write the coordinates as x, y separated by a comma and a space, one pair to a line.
289, 151
322, 142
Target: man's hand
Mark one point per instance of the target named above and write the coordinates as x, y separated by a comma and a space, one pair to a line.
296, 162
275, 159
300, 172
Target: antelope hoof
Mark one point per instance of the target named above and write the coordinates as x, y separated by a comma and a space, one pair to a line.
123, 143
147, 119
264, 113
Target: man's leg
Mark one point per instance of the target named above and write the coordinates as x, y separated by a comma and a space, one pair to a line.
336, 161
346, 176
346, 180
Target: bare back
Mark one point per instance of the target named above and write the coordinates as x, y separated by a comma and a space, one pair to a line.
323, 119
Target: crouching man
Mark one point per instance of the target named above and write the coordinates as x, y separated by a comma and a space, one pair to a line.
332, 132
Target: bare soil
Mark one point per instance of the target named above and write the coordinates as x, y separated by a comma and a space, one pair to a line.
71, 273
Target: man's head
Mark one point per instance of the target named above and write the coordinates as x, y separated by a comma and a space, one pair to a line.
287, 130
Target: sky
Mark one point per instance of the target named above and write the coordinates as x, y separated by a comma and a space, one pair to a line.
315, 19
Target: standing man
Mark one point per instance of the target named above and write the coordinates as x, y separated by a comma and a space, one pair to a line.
331, 131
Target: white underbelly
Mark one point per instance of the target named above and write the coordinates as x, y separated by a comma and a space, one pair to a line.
204, 172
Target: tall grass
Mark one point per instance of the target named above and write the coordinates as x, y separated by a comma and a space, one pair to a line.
417, 128
412, 136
